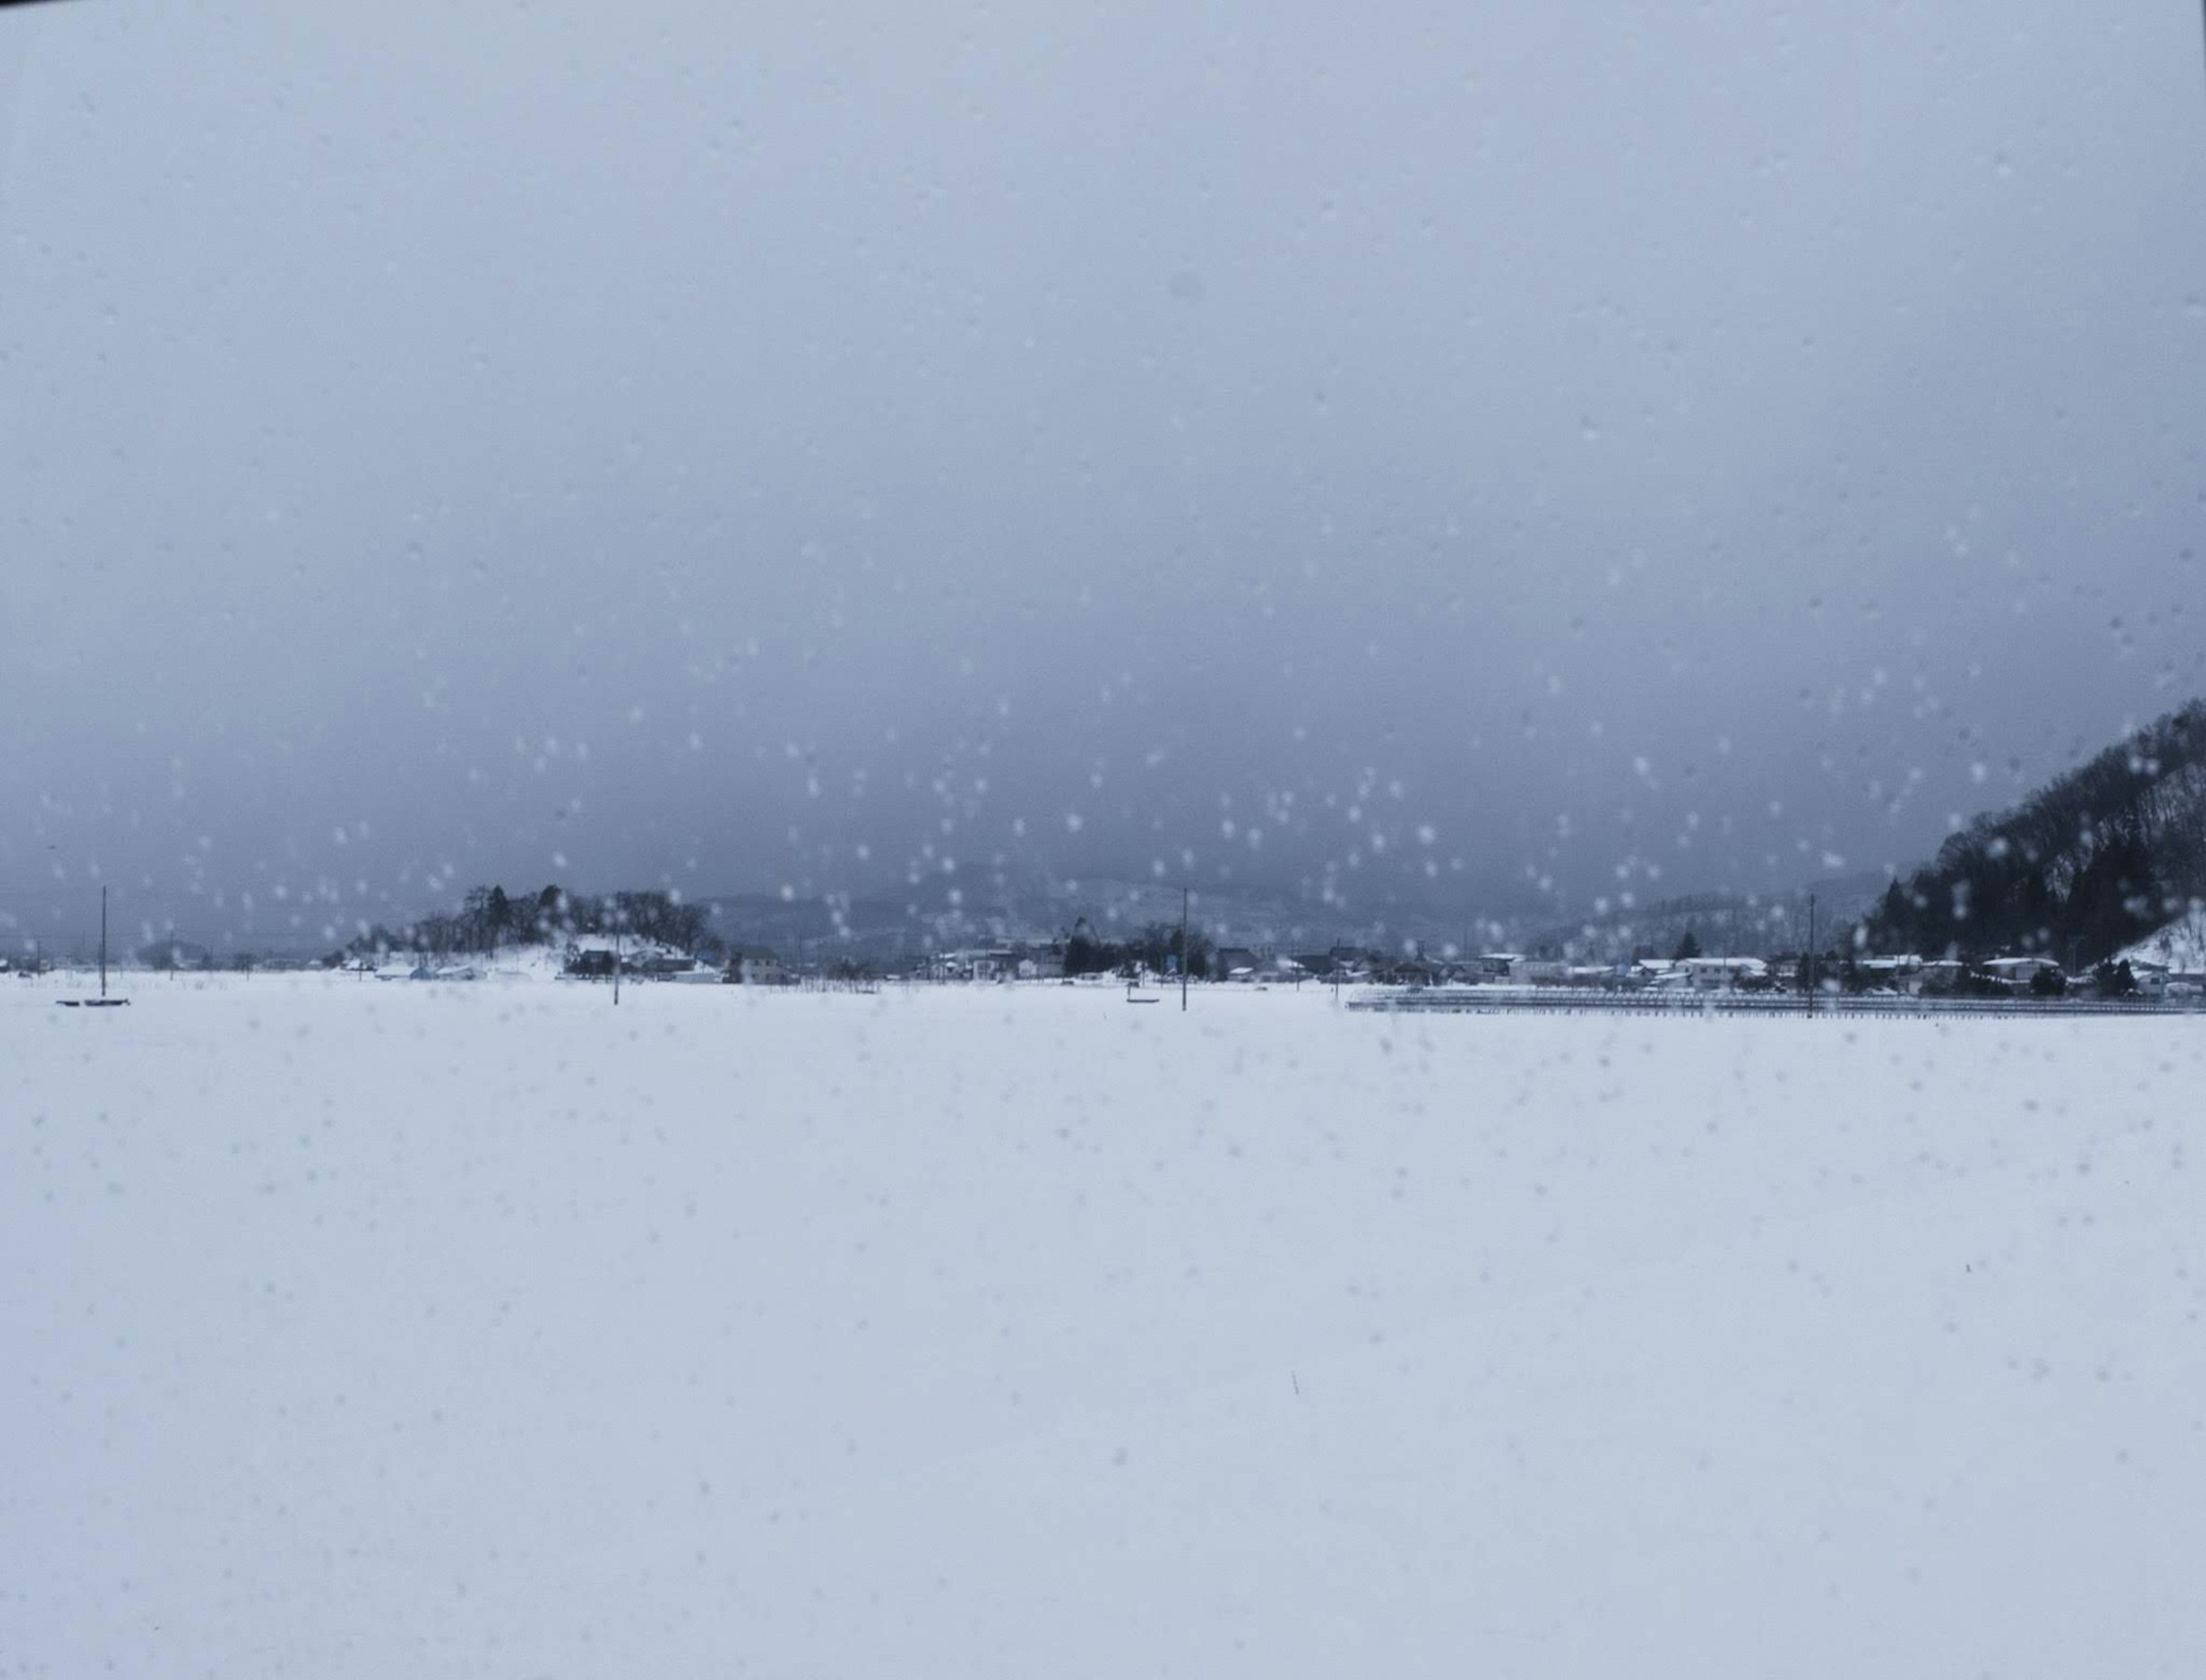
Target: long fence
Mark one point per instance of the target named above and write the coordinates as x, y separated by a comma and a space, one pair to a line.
1575, 1000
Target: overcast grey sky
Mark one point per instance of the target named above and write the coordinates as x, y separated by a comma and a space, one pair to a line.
748, 446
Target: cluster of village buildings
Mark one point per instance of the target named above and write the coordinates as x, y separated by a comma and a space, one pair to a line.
598, 957
1356, 965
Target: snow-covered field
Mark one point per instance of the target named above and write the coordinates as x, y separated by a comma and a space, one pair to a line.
359, 1330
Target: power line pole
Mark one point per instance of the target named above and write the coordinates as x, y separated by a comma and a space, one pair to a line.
1811, 953
102, 939
1182, 950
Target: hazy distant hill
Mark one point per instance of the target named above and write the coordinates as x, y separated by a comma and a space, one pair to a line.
1722, 924
2094, 861
1031, 905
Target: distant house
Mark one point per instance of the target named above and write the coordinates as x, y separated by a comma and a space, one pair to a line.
1045, 962
983, 964
1500, 965
593, 956
1235, 962
1412, 971
755, 965
2000, 973
1724, 974
1890, 973
1342, 962
2019, 973
2152, 979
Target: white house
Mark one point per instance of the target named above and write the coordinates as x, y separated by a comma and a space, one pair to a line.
1723, 974
2019, 973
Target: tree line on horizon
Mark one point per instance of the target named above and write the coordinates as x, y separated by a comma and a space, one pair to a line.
489, 917
1154, 947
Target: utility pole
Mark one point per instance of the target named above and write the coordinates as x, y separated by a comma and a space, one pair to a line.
616, 958
102, 939
1182, 950
1811, 953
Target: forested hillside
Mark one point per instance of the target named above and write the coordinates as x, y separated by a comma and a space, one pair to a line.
2091, 862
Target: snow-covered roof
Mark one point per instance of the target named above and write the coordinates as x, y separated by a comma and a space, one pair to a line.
634, 950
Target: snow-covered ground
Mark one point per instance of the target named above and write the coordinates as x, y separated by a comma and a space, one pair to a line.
359, 1330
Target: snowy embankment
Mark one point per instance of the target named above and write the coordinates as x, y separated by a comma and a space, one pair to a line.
360, 1330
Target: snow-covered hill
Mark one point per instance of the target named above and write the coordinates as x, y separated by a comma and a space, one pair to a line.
2180, 946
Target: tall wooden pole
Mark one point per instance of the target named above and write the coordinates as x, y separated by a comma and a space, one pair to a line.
102, 941
1811, 953
1182, 950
